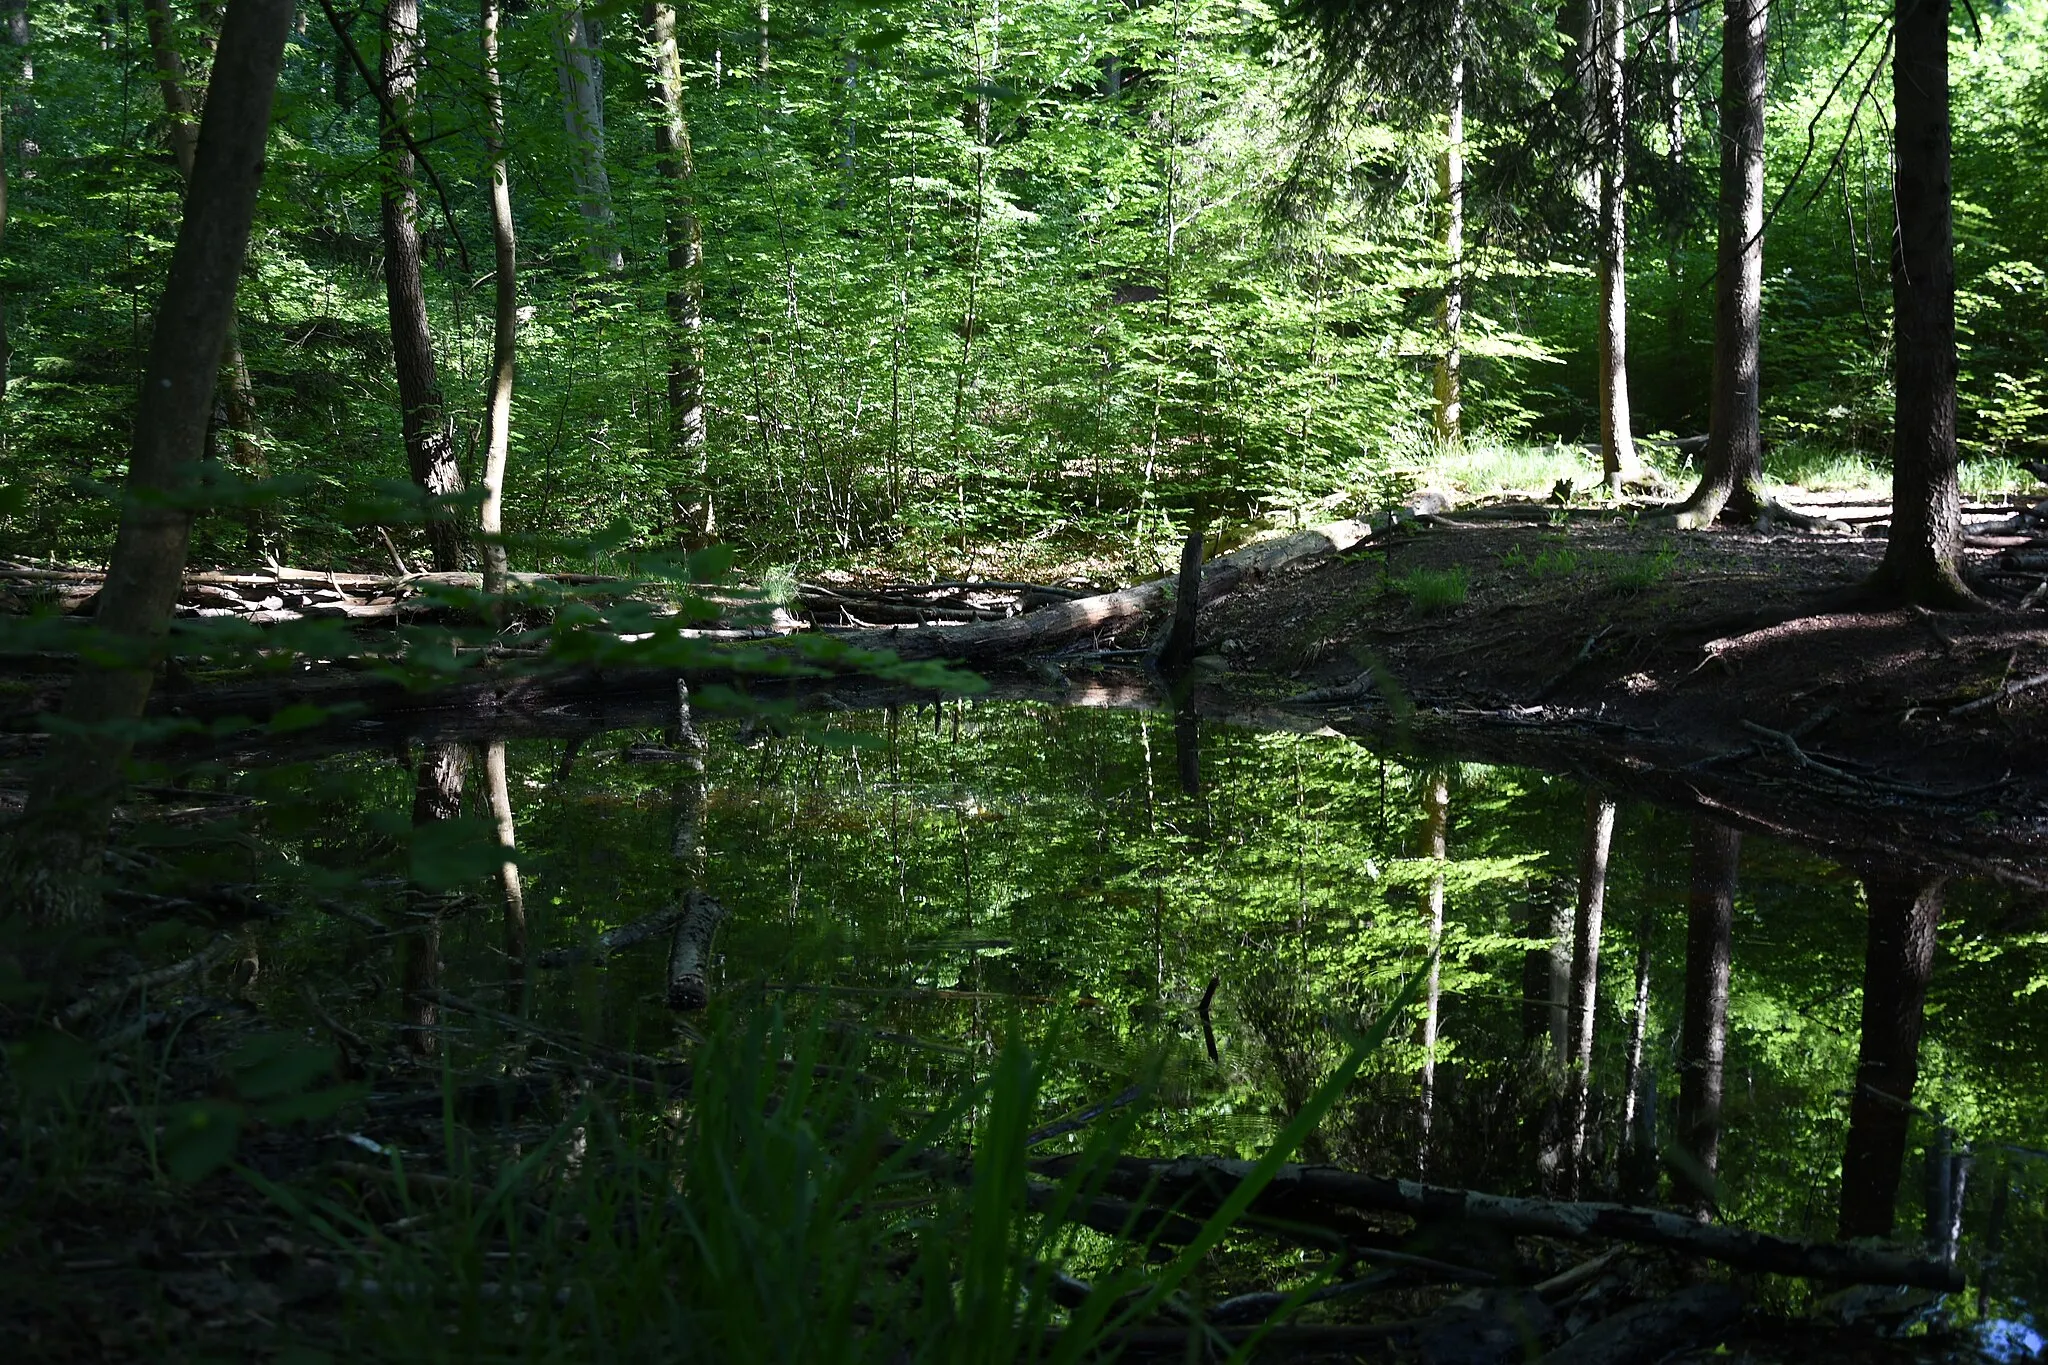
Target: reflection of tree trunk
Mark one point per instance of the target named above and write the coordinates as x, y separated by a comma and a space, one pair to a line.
1585, 983
429, 432
436, 796
686, 830
580, 66
1703, 1035
1547, 969
1639, 1094
509, 887
1436, 825
504, 317
1905, 911
60, 838
1187, 748
182, 108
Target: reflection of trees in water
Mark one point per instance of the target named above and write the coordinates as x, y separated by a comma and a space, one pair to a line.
1703, 1033
437, 796
1905, 911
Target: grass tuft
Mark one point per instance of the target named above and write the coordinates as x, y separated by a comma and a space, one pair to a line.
1433, 590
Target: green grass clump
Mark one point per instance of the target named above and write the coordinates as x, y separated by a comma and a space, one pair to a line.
1433, 590
1553, 561
1634, 573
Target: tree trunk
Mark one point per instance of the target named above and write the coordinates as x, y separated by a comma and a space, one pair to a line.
1585, 984
1923, 559
695, 513
512, 892
1733, 464
1450, 183
1436, 825
504, 318
1703, 1034
1618, 463
182, 107
15, 27
1905, 912
436, 796
579, 65
57, 847
1547, 969
429, 433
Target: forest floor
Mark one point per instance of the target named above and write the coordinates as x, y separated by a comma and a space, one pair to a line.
1722, 659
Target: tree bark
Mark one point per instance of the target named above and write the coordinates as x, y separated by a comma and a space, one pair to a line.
1618, 463
1733, 464
1450, 182
55, 852
504, 319
689, 952
436, 796
1586, 973
1923, 559
429, 432
579, 64
691, 496
1905, 912
182, 107
1703, 1033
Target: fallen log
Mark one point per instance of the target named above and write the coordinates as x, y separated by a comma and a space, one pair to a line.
1059, 623
690, 949
612, 940
1199, 1183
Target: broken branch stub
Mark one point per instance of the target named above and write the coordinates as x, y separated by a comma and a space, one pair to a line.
690, 950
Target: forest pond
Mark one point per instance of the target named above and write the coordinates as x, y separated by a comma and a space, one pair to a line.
934, 878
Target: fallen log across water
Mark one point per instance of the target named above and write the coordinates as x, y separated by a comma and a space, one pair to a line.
1198, 1184
613, 940
690, 949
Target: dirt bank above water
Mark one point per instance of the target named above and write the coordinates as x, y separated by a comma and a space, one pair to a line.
1700, 667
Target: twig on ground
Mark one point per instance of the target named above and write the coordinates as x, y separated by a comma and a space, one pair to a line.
2004, 693
114, 991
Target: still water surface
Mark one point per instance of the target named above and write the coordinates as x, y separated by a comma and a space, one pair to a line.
931, 878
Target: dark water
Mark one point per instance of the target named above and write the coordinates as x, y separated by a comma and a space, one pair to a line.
936, 877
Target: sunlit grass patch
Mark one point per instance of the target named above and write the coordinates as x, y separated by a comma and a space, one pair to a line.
1433, 590
1815, 468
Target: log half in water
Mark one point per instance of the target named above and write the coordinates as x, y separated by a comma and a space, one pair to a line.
612, 940
690, 949
1198, 1184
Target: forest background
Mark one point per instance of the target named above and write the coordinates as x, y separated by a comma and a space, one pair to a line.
1018, 274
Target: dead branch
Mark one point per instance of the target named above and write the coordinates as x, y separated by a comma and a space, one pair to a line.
1198, 1184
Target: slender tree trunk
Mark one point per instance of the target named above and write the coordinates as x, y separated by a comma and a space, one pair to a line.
429, 433
1436, 825
692, 497
1923, 559
14, 24
761, 20
1585, 984
1734, 461
436, 796
579, 64
1618, 463
1905, 912
512, 892
50, 864
1703, 1034
504, 317
1450, 182
182, 107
